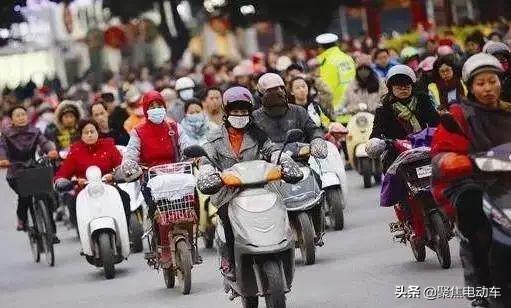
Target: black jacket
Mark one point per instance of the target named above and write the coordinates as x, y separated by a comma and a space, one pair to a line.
386, 124
296, 117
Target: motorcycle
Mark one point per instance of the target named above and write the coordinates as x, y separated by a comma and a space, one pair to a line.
494, 168
359, 128
175, 220
264, 242
304, 203
333, 183
412, 168
102, 224
138, 208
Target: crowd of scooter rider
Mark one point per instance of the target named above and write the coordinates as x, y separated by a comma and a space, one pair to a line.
454, 97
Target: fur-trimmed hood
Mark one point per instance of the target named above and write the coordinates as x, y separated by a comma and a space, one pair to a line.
66, 105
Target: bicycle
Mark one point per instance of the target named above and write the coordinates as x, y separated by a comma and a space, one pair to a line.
35, 179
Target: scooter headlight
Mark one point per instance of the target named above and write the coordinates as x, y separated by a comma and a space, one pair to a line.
362, 121
95, 190
493, 164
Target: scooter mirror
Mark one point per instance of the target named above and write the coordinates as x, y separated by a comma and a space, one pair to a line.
194, 151
294, 135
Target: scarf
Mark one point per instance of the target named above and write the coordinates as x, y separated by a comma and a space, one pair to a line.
445, 87
405, 112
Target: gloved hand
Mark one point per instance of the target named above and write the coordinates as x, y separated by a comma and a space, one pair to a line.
291, 172
375, 147
4, 163
130, 170
63, 185
319, 148
209, 181
455, 166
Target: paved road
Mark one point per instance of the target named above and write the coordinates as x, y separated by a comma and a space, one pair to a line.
357, 267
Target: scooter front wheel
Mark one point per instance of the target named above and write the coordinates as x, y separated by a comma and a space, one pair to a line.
442, 248
276, 296
306, 238
170, 278
106, 252
184, 261
250, 302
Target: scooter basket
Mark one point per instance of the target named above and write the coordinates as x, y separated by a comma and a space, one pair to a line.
34, 181
175, 207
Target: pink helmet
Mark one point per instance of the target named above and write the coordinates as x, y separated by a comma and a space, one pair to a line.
337, 128
237, 96
427, 64
444, 50
268, 81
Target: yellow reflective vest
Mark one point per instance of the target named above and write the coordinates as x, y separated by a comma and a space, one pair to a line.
337, 70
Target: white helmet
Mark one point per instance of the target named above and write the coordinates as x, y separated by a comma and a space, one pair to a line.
478, 63
268, 81
184, 83
493, 48
401, 69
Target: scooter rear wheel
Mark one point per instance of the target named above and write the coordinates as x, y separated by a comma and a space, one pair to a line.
335, 203
184, 259
136, 233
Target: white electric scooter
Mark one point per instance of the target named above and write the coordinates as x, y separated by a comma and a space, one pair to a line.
138, 208
333, 183
102, 223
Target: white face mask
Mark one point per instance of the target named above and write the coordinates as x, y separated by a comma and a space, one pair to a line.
238, 122
186, 94
156, 115
48, 117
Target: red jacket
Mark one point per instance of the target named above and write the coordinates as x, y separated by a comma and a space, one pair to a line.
103, 154
482, 129
158, 142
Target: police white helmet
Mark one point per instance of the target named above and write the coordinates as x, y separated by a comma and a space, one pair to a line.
478, 63
326, 38
184, 83
401, 70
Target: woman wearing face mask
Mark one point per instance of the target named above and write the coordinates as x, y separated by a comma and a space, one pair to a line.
447, 87
91, 150
484, 122
237, 140
184, 88
365, 88
155, 142
194, 124
18, 144
299, 95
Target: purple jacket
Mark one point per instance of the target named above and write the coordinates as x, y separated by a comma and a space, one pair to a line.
19, 144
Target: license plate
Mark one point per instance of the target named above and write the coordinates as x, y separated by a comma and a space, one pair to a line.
424, 171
